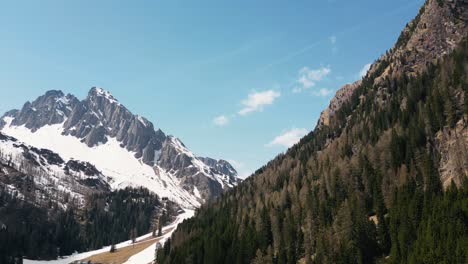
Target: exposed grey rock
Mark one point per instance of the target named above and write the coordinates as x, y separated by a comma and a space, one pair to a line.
11, 113
210, 176
208, 188
221, 166
436, 31
48, 109
100, 116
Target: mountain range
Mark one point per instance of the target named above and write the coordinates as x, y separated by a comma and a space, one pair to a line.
383, 177
98, 143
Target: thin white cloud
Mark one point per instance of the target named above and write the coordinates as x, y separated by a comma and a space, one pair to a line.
288, 138
322, 92
332, 40
242, 171
257, 100
352, 29
364, 70
237, 164
221, 120
309, 77
297, 89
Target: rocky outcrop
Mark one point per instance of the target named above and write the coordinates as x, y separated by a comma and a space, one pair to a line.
452, 144
221, 166
341, 96
438, 28
51, 108
436, 31
210, 176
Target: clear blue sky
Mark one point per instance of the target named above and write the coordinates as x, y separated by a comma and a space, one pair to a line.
226, 77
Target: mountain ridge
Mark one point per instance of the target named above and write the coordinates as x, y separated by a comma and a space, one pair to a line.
434, 27
100, 120
381, 179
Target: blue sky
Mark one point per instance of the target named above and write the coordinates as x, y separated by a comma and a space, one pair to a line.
238, 80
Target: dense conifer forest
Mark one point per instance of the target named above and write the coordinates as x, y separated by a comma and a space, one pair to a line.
364, 189
107, 218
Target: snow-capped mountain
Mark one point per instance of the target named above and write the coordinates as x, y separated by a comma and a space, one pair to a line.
125, 149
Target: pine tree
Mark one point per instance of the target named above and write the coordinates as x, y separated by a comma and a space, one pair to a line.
160, 233
112, 248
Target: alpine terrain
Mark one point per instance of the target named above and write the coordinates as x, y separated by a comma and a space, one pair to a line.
78, 175
58, 133
381, 179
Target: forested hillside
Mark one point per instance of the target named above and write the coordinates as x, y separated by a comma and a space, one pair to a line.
35, 232
383, 180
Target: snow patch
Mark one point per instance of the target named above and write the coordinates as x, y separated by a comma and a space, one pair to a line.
110, 158
106, 94
64, 100
196, 192
142, 120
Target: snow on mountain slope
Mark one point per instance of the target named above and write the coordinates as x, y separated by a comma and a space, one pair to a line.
110, 158
39, 175
126, 148
147, 255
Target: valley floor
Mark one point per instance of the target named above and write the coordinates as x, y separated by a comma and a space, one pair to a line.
139, 253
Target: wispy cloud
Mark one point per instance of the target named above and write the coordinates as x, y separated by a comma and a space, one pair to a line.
322, 92
332, 40
292, 55
288, 138
364, 70
348, 31
257, 100
237, 164
221, 120
308, 78
242, 171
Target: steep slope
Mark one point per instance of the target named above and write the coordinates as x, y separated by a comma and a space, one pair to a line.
366, 185
40, 175
126, 148
435, 31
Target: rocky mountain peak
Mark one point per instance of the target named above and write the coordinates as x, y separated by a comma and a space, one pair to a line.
101, 118
434, 32
97, 94
51, 108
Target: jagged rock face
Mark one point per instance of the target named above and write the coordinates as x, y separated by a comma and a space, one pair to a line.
100, 118
207, 187
100, 115
92, 120
50, 108
172, 159
436, 31
452, 146
210, 176
221, 166
341, 96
